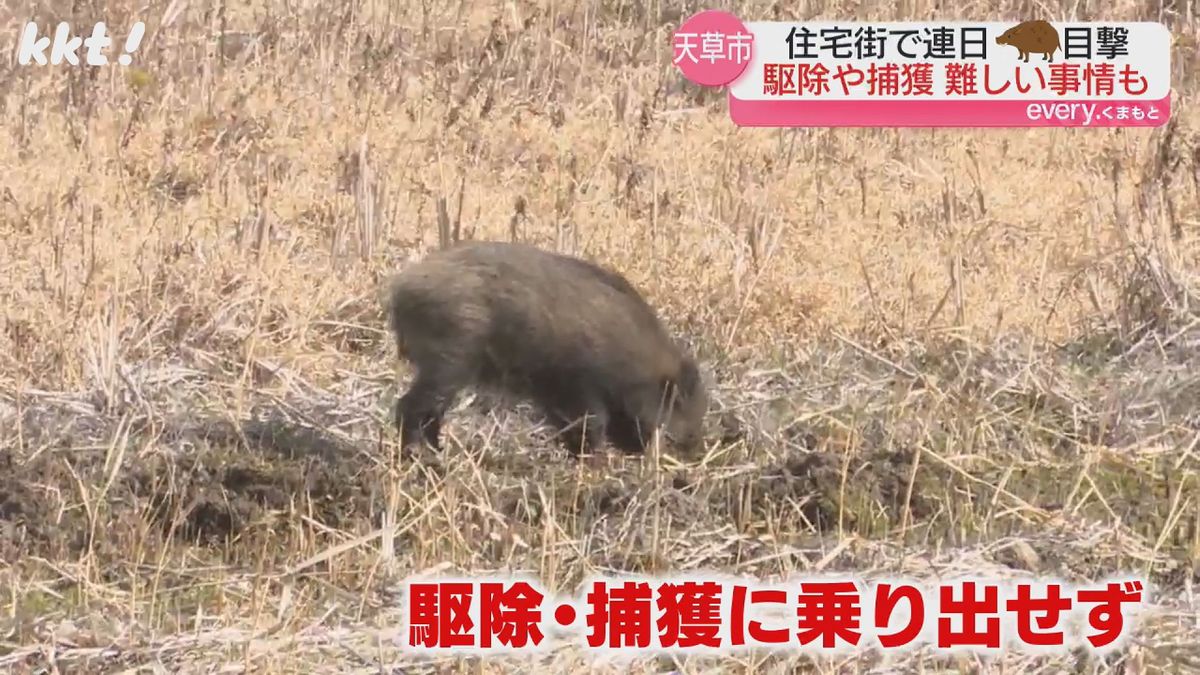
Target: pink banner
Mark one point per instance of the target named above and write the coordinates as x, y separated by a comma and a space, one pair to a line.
949, 113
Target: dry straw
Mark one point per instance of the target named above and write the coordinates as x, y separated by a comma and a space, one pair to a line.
936, 350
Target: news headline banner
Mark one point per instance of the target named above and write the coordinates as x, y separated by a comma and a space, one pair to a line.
717, 614
931, 74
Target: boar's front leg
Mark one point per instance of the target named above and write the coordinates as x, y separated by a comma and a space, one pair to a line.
581, 421
628, 433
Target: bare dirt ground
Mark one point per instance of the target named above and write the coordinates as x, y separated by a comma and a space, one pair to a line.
935, 350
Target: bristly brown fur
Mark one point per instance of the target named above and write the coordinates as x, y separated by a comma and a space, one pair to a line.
573, 337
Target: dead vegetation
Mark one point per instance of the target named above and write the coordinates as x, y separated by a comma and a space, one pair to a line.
936, 350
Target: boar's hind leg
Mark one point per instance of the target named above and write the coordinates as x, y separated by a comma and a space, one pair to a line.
420, 410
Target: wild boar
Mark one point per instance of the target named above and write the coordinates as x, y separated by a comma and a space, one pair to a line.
574, 338
1031, 37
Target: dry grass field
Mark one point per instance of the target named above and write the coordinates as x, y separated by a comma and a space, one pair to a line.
934, 350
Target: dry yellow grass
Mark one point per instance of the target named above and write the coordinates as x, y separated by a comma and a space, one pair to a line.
989, 330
